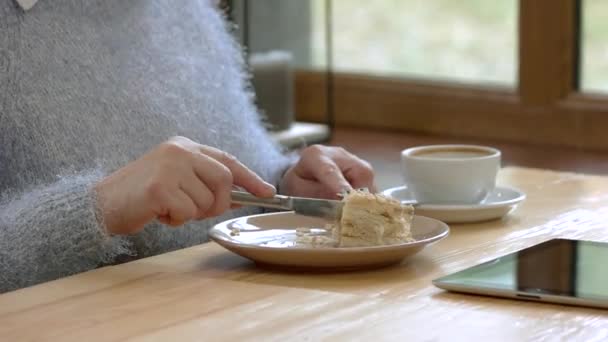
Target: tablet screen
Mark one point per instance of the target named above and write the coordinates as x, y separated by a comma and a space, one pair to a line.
557, 267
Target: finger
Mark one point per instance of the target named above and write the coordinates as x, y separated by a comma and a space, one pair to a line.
222, 202
324, 170
218, 179
181, 209
374, 188
164, 219
200, 194
312, 189
360, 174
242, 175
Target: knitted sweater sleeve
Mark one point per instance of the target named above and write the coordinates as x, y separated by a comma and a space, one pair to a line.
53, 231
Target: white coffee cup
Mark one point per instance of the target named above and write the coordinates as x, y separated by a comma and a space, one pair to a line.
450, 174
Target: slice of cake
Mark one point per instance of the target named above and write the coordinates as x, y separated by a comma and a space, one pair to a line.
373, 220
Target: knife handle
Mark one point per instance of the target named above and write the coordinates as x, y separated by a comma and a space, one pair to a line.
276, 202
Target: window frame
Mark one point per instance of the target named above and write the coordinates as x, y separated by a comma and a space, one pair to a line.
546, 107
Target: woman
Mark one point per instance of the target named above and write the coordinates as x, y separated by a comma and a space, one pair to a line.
97, 98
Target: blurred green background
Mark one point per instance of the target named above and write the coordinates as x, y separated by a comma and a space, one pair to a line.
594, 61
469, 41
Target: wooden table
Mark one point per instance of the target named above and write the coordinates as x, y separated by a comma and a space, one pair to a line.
207, 293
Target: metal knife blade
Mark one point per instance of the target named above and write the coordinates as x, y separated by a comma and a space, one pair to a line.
329, 209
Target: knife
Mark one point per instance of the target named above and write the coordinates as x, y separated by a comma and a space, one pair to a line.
328, 209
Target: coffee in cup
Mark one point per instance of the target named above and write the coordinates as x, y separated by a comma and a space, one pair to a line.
450, 174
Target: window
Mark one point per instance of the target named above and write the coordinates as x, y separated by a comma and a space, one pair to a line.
532, 71
471, 41
594, 73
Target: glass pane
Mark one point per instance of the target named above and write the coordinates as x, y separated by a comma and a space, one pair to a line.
591, 276
280, 41
473, 41
594, 62
287, 26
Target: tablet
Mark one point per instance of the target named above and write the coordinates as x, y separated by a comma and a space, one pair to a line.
560, 271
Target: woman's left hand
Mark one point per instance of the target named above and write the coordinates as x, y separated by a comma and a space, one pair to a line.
324, 172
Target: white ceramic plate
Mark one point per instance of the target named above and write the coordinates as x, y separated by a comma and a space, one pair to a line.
499, 203
269, 239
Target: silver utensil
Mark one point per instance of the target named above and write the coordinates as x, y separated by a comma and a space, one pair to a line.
413, 203
329, 209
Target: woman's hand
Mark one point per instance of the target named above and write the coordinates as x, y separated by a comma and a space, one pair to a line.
176, 182
324, 172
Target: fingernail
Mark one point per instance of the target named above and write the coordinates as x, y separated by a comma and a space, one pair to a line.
344, 189
274, 189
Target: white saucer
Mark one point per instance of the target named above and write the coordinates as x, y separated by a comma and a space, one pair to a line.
499, 203
270, 239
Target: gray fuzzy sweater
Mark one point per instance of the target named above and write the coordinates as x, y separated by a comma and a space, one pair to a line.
87, 86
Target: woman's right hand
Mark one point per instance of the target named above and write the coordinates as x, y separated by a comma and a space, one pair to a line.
176, 182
